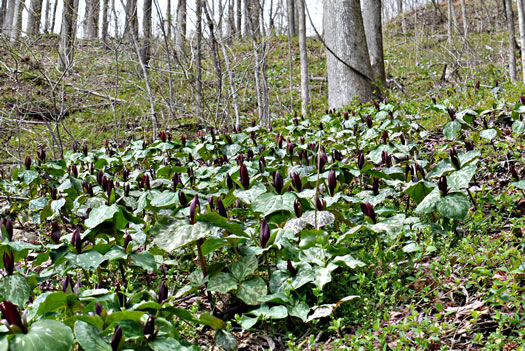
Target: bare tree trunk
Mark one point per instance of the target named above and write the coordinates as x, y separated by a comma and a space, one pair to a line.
521, 19
303, 53
168, 19
374, 37
511, 38
92, 18
238, 15
46, 16
231, 21
464, 15
16, 24
180, 28
8, 20
450, 26
105, 21
3, 11
67, 35
290, 9
145, 52
402, 14
345, 41
198, 64
33, 18
131, 19
246, 18
53, 21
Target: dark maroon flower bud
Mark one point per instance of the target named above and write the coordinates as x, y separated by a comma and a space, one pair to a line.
265, 233
149, 327
320, 203
402, 139
176, 180
56, 232
302, 140
125, 174
387, 160
78, 286
298, 208
454, 158
74, 170
296, 182
375, 186
221, 209
384, 137
99, 309
42, 155
369, 211
7, 229
338, 155
346, 115
127, 241
332, 182
376, 104
361, 160
100, 177
278, 182
76, 146
469, 146
434, 101
190, 157
478, 83
249, 154
281, 141
229, 182
76, 240
245, 177
253, 136
442, 185
451, 113
183, 141
210, 203
290, 268
193, 208
146, 182
163, 292
322, 159
126, 190
27, 162
163, 136
238, 203
54, 193
289, 147
68, 283
182, 199
85, 149
117, 338
408, 172
10, 313
9, 261
321, 126
295, 121
228, 139
355, 129
369, 122
514, 173
254, 123
420, 171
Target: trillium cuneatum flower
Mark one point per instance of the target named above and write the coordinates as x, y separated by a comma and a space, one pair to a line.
11, 315
193, 208
27, 162
117, 339
76, 240
375, 186
221, 209
298, 208
245, 177
182, 199
442, 185
9, 261
163, 292
322, 159
361, 160
332, 182
454, 158
278, 182
56, 231
368, 210
296, 182
265, 233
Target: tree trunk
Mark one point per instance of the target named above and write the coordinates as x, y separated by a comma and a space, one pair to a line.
511, 39
290, 10
464, 15
8, 20
145, 52
3, 11
46, 16
345, 40
16, 24
180, 27
33, 18
53, 21
521, 19
450, 26
132, 23
105, 20
402, 14
67, 34
230, 26
198, 64
92, 18
168, 19
303, 53
246, 20
238, 14
374, 38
